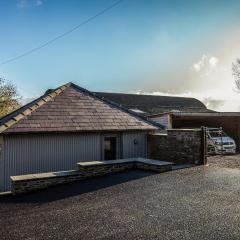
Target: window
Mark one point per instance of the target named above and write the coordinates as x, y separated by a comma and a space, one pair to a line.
216, 134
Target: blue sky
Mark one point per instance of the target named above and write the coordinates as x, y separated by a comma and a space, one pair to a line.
175, 47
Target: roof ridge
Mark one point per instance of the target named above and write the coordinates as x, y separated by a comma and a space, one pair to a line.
148, 94
14, 117
119, 106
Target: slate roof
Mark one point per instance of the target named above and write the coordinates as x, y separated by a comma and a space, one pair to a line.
71, 108
151, 104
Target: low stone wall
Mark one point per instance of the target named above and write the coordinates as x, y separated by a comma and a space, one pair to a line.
179, 146
33, 182
154, 168
104, 167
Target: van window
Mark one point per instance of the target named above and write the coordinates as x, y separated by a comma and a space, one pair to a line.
216, 134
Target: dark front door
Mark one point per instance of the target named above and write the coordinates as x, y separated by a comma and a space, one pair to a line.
110, 148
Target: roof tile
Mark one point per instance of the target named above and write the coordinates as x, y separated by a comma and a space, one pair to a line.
73, 109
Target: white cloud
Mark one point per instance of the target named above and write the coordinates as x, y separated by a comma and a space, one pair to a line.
27, 100
213, 61
205, 64
29, 3
200, 64
211, 82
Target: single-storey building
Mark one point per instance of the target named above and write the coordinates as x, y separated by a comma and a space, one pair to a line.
66, 126
154, 104
178, 112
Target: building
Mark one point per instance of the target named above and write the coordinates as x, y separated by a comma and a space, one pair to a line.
65, 126
151, 104
229, 121
178, 112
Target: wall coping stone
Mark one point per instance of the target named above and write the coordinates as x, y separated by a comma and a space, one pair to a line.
128, 160
38, 176
158, 134
43, 175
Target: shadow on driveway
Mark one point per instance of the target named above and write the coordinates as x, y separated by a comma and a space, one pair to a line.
76, 188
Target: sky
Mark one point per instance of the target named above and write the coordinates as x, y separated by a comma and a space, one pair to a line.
170, 47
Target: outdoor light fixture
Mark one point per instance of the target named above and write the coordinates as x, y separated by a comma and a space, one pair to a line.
135, 141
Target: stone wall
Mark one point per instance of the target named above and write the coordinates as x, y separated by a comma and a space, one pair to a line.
33, 182
179, 146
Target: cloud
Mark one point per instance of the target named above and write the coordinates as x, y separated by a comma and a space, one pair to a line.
29, 3
27, 100
206, 64
200, 64
213, 61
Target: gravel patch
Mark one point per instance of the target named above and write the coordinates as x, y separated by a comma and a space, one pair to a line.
226, 161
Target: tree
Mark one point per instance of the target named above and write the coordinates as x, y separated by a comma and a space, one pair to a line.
9, 98
236, 73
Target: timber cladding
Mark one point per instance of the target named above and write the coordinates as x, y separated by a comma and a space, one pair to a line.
178, 146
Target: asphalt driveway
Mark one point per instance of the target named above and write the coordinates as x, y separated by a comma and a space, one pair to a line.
194, 203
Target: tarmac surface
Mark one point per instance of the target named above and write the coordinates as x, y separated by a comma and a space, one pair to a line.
193, 203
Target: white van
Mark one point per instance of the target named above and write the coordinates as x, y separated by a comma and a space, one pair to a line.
218, 142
